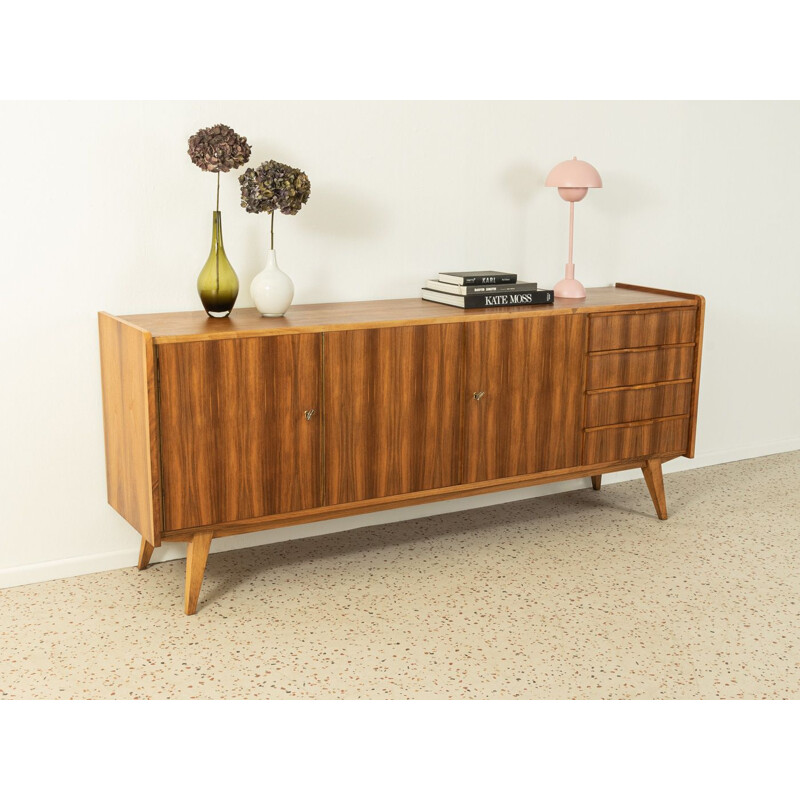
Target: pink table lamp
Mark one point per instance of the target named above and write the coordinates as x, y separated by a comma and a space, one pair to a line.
573, 179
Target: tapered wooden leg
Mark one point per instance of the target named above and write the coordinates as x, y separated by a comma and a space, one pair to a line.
655, 483
145, 551
596, 482
196, 557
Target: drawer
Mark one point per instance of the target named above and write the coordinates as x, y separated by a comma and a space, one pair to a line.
639, 440
644, 402
631, 368
620, 330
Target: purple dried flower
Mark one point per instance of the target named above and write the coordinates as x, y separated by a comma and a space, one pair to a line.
273, 186
218, 149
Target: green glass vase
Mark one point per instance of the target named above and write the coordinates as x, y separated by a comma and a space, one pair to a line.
217, 283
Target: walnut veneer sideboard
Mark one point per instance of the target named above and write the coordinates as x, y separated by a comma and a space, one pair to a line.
215, 427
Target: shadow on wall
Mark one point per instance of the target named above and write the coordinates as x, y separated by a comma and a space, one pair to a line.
623, 193
615, 209
346, 215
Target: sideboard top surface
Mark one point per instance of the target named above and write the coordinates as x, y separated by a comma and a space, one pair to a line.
243, 322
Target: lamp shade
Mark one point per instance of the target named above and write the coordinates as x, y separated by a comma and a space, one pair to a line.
574, 174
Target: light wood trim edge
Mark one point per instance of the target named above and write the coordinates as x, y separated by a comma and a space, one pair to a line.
639, 386
644, 349
637, 311
700, 323
635, 288
153, 425
120, 320
149, 528
416, 498
635, 423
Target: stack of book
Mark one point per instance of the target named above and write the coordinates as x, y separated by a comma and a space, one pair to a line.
484, 290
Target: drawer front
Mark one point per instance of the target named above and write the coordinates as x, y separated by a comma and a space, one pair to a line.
631, 368
641, 329
632, 405
636, 441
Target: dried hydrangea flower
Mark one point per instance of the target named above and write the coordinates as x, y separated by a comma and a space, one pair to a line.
218, 149
273, 186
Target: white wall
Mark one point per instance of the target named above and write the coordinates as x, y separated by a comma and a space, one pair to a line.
102, 209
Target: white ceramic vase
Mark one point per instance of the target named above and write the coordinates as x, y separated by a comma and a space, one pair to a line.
272, 290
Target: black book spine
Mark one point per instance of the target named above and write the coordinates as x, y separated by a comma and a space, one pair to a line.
538, 297
477, 280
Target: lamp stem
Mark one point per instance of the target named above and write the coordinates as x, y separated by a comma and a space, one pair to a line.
571, 225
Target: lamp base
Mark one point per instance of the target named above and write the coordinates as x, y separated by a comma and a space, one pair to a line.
569, 287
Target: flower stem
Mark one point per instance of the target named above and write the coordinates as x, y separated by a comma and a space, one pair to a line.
272, 230
217, 191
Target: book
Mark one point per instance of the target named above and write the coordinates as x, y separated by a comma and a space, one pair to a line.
490, 300
497, 288
477, 278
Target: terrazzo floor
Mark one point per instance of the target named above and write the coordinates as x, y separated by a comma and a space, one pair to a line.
578, 595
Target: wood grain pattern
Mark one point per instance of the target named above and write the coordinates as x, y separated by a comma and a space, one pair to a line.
324, 317
698, 353
609, 407
196, 558
393, 406
655, 484
130, 425
414, 498
611, 369
618, 330
235, 441
634, 287
145, 552
529, 417
637, 440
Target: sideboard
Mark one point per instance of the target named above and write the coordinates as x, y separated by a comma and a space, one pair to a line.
215, 427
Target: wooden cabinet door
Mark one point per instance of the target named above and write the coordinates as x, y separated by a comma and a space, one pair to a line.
235, 441
529, 416
393, 411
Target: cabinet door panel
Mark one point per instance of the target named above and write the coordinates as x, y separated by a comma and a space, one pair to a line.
393, 405
235, 441
529, 418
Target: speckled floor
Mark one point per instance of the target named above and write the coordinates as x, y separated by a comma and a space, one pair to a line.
578, 595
